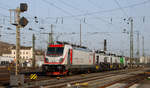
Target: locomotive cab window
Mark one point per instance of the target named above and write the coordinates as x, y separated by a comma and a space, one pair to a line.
55, 51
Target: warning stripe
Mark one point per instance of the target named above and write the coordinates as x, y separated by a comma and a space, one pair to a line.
33, 76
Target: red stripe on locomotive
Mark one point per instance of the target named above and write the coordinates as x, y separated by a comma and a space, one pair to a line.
56, 45
71, 56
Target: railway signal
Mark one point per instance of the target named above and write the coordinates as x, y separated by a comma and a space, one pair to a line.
23, 22
23, 7
18, 22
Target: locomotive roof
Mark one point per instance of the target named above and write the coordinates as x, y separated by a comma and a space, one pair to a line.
73, 45
82, 49
107, 53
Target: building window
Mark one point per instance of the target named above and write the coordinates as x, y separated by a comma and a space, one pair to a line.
26, 52
14, 52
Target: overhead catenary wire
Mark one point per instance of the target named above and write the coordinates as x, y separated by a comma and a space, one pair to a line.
52, 4
121, 7
105, 11
92, 13
75, 8
83, 15
94, 4
103, 20
66, 12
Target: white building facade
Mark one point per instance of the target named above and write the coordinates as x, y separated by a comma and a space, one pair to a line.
25, 54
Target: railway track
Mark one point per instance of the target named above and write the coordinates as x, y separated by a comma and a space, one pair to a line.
128, 80
125, 82
4, 76
52, 82
55, 83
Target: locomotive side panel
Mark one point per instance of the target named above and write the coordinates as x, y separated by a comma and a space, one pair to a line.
113, 59
82, 57
99, 58
118, 59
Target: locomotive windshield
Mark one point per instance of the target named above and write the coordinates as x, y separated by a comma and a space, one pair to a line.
55, 51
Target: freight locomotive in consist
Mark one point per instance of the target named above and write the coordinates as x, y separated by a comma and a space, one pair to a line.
64, 58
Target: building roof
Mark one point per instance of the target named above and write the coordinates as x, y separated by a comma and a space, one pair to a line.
5, 47
22, 47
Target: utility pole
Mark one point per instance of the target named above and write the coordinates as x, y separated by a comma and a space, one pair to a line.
105, 45
33, 51
143, 46
51, 35
138, 47
80, 35
131, 42
0, 32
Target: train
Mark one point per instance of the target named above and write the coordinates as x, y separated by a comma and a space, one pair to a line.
64, 59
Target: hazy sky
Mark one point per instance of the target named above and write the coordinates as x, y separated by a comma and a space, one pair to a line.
100, 19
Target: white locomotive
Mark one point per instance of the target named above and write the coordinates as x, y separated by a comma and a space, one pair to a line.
64, 58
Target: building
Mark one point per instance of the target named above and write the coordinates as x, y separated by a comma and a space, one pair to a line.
26, 54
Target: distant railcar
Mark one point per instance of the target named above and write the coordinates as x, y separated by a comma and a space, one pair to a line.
109, 61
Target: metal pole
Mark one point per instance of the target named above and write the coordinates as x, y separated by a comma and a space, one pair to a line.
80, 36
143, 45
17, 40
0, 32
138, 47
131, 42
51, 35
105, 45
33, 50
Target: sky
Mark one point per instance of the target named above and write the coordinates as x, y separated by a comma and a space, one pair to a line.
99, 19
